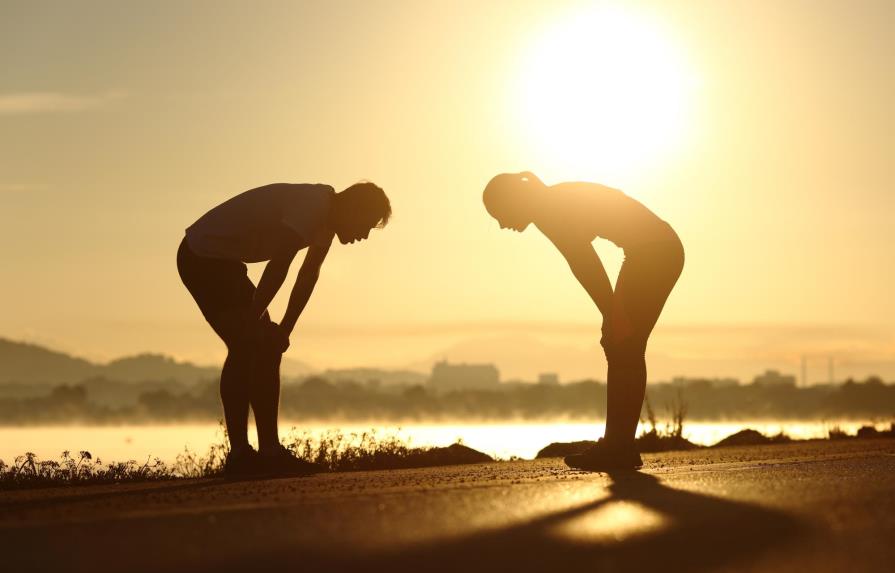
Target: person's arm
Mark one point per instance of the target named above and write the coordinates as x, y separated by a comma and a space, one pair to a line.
588, 269
304, 286
271, 280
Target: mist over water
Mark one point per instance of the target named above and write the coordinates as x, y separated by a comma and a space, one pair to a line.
502, 440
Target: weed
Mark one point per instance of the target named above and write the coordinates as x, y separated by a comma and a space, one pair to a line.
333, 451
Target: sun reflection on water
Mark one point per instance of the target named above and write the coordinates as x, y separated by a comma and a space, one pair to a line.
499, 439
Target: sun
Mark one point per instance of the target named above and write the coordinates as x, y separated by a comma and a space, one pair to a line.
603, 92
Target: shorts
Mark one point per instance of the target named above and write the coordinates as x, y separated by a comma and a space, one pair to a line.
220, 287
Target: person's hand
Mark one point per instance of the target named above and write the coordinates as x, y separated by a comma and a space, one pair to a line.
276, 337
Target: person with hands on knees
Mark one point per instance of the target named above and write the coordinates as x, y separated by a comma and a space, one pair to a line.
572, 215
270, 223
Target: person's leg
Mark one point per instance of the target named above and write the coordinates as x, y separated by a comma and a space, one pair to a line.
643, 286
625, 389
224, 293
236, 377
265, 392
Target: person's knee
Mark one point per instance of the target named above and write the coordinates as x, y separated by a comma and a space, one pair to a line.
625, 352
239, 356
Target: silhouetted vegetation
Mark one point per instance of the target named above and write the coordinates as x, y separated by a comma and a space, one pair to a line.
671, 436
41, 386
29, 471
317, 398
336, 451
333, 451
659, 440
665, 438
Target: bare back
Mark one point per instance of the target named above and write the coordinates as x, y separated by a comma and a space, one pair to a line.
590, 210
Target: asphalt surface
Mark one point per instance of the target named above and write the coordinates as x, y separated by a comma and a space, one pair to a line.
817, 506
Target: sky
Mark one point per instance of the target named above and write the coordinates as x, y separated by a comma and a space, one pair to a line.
763, 132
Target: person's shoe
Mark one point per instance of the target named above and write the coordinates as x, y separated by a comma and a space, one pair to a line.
280, 462
603, 457
241, 463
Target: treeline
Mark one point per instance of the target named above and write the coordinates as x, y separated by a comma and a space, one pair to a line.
316, 398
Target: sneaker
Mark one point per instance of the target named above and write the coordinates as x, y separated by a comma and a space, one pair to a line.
282, 463
603, 457
241, 463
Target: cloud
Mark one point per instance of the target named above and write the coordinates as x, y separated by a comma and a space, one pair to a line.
51, 102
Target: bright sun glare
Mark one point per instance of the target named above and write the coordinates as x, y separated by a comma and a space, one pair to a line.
604, 92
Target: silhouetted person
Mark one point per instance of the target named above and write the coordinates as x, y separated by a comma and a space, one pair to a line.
572, 215
270, 223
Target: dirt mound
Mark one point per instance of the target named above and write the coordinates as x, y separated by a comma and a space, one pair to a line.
563, 449
652, 442
455, 454
750, 437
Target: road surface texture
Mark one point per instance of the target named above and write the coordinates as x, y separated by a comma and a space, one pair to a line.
814, 506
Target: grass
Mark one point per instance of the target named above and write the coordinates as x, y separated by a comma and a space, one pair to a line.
333, 451
29, 471
671, 436
336, 452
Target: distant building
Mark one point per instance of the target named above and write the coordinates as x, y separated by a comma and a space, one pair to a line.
447, 376
774, 378
548, 378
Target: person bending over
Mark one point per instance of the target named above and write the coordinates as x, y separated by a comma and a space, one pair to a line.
572, 215
270, 223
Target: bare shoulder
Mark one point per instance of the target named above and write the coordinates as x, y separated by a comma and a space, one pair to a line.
320, 187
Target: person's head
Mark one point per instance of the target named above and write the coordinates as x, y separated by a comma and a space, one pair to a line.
511, 198
359, 209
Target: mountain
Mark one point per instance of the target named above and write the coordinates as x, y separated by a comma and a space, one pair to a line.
23, 363
143, 367
31, 364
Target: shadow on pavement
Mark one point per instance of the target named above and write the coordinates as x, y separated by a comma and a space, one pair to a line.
60, 496
698, 533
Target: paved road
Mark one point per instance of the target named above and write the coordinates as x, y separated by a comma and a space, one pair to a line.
822, 506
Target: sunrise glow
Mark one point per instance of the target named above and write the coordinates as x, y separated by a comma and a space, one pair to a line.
604, 91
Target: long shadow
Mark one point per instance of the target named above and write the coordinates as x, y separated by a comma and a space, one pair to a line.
162, 487
157, 488
699, 533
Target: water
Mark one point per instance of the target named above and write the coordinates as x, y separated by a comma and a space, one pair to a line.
502, 440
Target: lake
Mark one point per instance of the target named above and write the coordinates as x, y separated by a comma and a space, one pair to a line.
502, 440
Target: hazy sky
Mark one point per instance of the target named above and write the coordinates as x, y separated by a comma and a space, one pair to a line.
762, 131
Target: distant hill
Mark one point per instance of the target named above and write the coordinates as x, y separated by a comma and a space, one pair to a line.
31, 364
291, 368
24, 363
143, 367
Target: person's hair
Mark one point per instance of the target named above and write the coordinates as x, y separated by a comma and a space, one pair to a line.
506, 187
500, 188
368, 196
